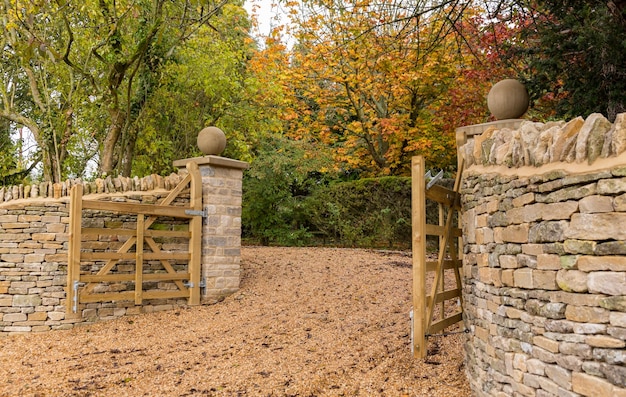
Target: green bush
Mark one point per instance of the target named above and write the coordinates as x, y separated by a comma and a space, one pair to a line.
286, 203
372, 212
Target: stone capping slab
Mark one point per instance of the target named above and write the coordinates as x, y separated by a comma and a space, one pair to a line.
535, 144
463, 133
602, 164
213, 160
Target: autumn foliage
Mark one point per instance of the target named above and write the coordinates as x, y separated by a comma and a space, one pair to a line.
373, 84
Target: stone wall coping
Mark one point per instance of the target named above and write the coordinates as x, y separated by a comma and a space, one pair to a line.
468, 131
213, 160
536, 144
603, 164
24, 202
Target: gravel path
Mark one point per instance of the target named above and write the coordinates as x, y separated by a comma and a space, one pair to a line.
306, 322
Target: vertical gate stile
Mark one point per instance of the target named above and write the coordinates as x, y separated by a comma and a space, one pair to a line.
73, 262
418, 210
139, 259
441, 284
195, 227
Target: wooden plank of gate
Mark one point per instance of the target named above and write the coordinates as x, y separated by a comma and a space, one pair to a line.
445, 323
73, 260
139, 260
145, 209
112, 278
129, 295
132, 232
150, 256
419, 255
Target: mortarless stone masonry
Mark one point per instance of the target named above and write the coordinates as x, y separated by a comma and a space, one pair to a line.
544, 267
34, 243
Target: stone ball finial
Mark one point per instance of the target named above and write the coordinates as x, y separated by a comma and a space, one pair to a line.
211, 140
508, 99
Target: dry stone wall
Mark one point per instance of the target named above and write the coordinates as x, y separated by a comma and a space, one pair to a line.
544, 268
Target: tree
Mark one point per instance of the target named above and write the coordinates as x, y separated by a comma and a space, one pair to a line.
281, 176
87, 68
576, 52
369, 78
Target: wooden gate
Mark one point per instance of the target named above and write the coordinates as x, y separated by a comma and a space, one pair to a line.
441, 307
80, 285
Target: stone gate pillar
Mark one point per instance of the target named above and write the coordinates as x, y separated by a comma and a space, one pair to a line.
221, 227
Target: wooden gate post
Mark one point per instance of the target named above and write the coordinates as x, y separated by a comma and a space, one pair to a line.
73, 262
195, 227
418, 209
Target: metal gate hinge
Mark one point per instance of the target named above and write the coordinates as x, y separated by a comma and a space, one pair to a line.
189, 284
203, 213
75, 287
433, 179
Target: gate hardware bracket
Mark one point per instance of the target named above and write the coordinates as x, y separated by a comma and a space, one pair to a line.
189, 284
203, 213
433, 179
75, 286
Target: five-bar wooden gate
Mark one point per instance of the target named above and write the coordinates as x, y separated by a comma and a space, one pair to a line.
427, 320
80, 286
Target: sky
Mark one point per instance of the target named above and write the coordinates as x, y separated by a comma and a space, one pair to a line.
269, 13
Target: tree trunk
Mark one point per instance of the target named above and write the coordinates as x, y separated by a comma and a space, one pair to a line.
128, 152
109, 161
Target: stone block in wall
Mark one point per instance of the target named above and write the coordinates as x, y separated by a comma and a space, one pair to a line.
584, 247
611, 186
529, 213
544, 279
26, 300
545, 343
597, 263
548, 262
604, 341
558, 211
618, 135
619, 203
587, 314
595, 204
508, 262
567, 194
523, 200
516, 233
603, 226
611, 248
548, 232
591, 386
523, 278
507, 278
572, 363
590, 140
610, 283
572, 280
564, 140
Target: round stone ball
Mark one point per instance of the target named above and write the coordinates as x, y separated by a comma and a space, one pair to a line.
211, 140
508, 99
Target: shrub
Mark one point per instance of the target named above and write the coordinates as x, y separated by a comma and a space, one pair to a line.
371, 212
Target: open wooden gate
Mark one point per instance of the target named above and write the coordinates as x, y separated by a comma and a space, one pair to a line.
80, 286
442, 307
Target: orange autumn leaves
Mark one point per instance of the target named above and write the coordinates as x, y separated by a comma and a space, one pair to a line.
373, 84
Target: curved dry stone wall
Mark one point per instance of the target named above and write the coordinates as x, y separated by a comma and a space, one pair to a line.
545, 259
